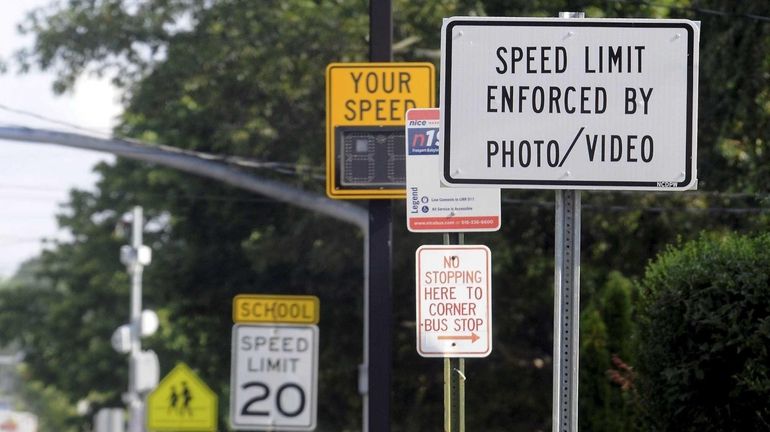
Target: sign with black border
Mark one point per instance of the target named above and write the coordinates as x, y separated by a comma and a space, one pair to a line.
274, 377
569, 103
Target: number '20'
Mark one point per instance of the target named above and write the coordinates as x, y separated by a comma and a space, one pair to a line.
279, 403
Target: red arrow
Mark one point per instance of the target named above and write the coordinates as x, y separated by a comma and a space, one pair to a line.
473, 337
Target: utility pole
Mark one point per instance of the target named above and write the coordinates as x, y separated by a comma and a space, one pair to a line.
378, 300
135, 257
454, 372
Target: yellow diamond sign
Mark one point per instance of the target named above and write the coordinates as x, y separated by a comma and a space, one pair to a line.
182, 402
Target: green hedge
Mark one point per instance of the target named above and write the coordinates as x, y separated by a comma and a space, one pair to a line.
704, 335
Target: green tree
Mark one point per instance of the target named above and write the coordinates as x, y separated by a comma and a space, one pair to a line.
594, 362
606, 327
25, 302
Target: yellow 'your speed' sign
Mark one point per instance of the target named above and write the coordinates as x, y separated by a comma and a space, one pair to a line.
366, 105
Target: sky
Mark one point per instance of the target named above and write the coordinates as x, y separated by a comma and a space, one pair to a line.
35, 179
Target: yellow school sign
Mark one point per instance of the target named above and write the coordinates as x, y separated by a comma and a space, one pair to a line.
366, 105
181, 403
275, 309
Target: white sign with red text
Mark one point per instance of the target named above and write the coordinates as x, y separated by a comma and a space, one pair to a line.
454, 301
431, 207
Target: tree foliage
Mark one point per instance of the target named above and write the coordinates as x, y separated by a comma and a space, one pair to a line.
606, 327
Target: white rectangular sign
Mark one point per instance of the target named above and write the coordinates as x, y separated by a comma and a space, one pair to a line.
547, 103
454, 301
274, 377
17, 421
431, 207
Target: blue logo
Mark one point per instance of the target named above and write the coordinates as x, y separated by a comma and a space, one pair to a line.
423, 141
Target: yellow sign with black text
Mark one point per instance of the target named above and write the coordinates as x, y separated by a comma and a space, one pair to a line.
366, 105
182, 402
275, 309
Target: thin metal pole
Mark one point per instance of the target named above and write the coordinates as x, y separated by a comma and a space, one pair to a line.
379, 301
566, 312
454, 374
136, 404
566, 322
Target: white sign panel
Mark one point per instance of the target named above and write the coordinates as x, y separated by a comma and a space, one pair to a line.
569, 103
274, 375
454, 301
16, 421
431, 207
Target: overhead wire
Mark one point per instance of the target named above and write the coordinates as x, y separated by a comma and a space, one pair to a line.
753, 210
53, 121
698, 9
511, 202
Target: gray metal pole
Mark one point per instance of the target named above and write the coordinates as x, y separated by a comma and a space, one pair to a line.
136, 404
454, 373
566, 312
566, 322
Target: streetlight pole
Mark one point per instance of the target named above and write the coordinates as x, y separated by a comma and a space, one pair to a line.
135, 257
378, 300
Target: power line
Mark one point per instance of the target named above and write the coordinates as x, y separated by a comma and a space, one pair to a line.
53, 120
699, 193
10, 241
700, 10
505, 201
752, 210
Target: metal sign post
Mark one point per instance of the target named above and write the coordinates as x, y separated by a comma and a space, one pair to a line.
454, 374
566, 312
566, 325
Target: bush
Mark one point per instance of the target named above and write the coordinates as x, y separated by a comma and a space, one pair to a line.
704, 334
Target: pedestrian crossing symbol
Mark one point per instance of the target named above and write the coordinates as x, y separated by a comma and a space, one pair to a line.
182, 402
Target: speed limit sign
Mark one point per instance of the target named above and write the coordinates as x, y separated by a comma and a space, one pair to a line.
274, 375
